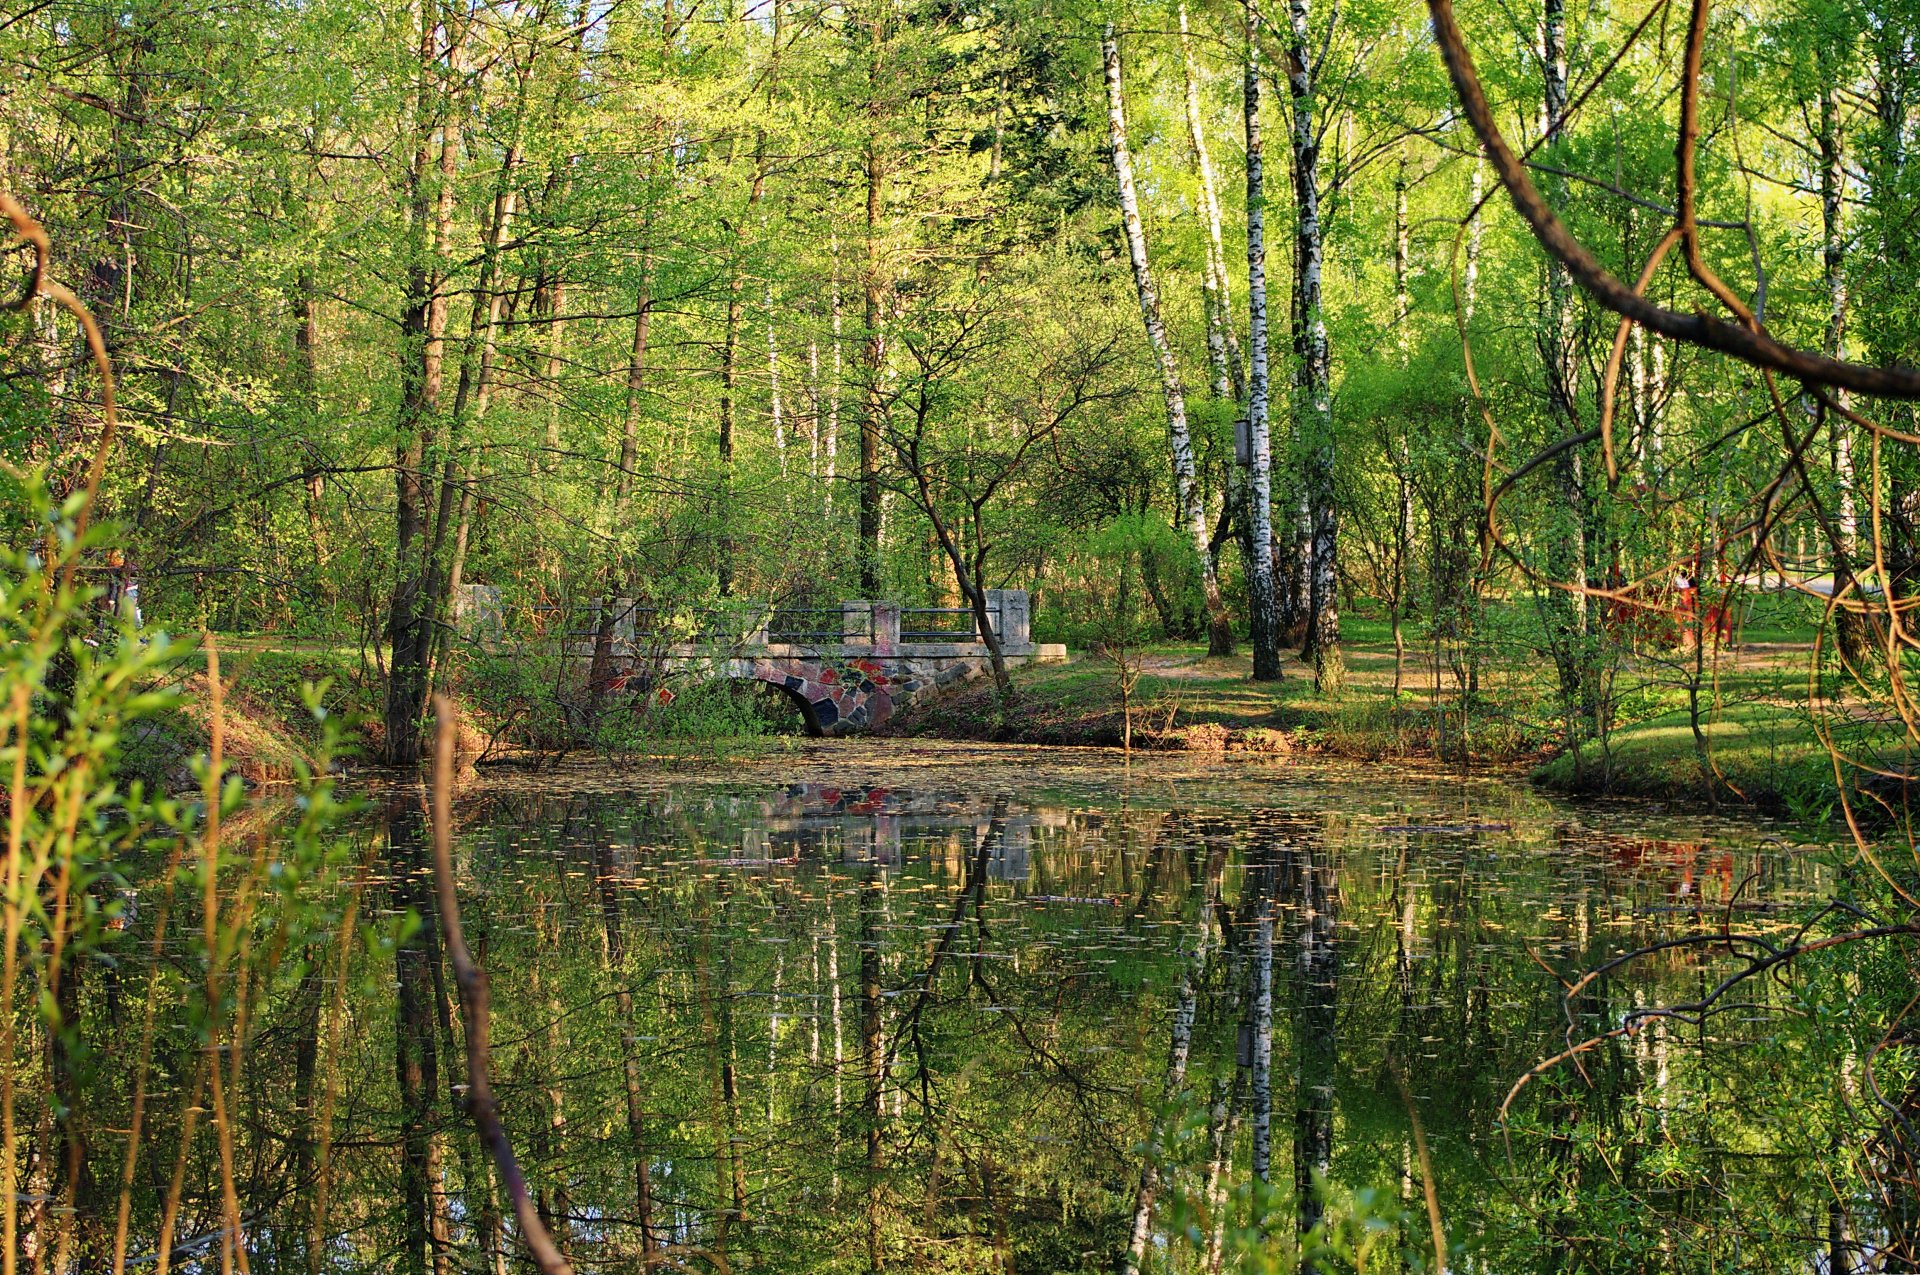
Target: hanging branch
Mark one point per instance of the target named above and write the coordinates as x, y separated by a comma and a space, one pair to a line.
39, 285
1749, 344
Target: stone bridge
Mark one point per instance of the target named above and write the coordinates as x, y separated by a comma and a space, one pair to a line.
846, 667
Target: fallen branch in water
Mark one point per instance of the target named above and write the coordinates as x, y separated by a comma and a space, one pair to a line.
472, 981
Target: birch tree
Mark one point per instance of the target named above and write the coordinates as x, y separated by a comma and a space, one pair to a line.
1173, 388
1260, 582
1313, 368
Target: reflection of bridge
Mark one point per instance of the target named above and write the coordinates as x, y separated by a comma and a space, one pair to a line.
876, 825
846, 667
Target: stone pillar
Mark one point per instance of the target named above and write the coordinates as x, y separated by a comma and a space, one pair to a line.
1007, 608
478, 615
856, 623
886, 624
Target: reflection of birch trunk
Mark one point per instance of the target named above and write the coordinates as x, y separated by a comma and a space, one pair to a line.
1179, 1047
872, 1059
1262, 1065
1314, 1036
329, 1050
773, 1037
718, 1050
1186, 480
839, 1044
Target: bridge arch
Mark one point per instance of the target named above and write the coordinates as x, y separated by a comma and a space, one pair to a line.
833, 696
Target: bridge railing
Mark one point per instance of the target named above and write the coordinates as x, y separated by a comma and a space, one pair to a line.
812, 626
635, 628
941, 624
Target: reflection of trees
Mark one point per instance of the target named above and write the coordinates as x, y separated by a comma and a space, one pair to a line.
914, 1028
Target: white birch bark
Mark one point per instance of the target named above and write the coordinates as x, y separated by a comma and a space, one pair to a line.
1567, 547
1314, 405
830, 445
1180, 440
1223, 345
813, 410
775, 408
1834, 259
1260, 581
1470, 275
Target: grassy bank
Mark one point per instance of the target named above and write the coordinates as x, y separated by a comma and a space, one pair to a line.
269, 730
1186, 699
1727, 728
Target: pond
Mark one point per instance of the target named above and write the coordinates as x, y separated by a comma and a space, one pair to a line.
931, 1007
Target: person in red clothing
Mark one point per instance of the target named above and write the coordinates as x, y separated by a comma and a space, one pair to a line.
1683, 604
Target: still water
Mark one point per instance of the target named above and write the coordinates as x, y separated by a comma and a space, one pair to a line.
951, 1008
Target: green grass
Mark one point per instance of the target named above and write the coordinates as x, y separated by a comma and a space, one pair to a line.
1756, 753
1759, 741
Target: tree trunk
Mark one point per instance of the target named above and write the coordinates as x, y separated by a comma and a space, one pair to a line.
1186, 481
422, 376
1853, 633
1260, 583
1567, 536
1314, 374
874, 350
830, 445
1223, 346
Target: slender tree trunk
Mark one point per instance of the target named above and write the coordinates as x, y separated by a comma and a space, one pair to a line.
1223, 344
1900, 510
830, 444
874, 350
1399, 451
1260, 583
306, 344
422, 378
1470, 273
601, 669
1567, 537
1314, 373
1186, 480
1853, 634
